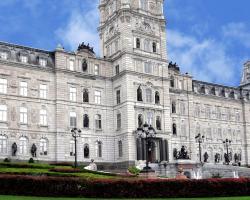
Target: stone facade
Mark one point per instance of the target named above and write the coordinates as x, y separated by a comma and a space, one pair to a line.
43, 95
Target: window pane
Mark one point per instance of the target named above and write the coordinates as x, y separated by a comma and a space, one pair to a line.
3, 86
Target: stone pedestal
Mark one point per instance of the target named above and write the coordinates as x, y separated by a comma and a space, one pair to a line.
148, 173
186, 169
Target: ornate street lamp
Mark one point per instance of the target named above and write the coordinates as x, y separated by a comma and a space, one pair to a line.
75, 134
227, 143
200, 139
146, 132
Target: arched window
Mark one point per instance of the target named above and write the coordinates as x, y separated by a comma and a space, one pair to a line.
99, 149
85, 96
173, 107
212, 91
157, 97
174, 129
232, 95
43, 117
140, 120
85, 121
202, 90
138, 43
98, 122
158, 123
43, 147
3, 144
172, 82
139, 94
23, 145
120, 149
223, 93
148, 95
154, 47
3, 113
86, 151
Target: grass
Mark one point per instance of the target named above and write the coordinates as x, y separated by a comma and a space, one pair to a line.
49, 198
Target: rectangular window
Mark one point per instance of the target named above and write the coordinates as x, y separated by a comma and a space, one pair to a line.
43, 117
118, 96
119, 121
23, 115
98, 122
96, 70
72, 148
42, 62
72, 94
72, 119
149, 118
117, 69
24, 59
43, 91
148, 67
23, 88
97, 97
3, 86
3, 55
71, 65
3, 113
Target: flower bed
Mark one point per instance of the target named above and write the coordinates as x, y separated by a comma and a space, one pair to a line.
62, 186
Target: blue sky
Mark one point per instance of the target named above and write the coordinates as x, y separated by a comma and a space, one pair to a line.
210, 39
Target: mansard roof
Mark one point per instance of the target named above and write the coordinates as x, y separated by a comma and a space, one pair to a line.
14, 51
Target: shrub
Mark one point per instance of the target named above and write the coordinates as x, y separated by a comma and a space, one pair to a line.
134, 170
61, 164
6, 160
117, 188
216, 175
26, 165
65, 170
31, 160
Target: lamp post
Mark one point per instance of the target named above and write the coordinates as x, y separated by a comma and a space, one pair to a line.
75, 133
227, 143
146, 132
200, 139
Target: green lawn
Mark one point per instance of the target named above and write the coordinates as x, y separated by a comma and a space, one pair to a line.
48, 198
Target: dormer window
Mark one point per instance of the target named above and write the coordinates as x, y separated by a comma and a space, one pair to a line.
42, 62
71, 65
24, 59
3, 55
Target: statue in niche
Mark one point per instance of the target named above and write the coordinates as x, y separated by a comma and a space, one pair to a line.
206, 157
86, 151
236, 158
217, 158
85, 96
33, 150
14, 149
139, 94
84, 65
13, 114
175, 153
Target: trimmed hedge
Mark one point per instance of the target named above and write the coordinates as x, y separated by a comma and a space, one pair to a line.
26, 165
76, 187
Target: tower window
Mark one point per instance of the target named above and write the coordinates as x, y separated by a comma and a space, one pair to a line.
138, 43
118, 96
144, 4
154, 47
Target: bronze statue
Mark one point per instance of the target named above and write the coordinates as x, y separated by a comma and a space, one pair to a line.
139, 94
206, 156
14, 149
84, 65
182, 154
33, 150
217, 158
86, 152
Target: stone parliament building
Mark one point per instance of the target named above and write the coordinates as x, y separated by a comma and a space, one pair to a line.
44, 94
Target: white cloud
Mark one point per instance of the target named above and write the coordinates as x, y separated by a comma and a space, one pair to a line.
238, 31
81, 27
206, 60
